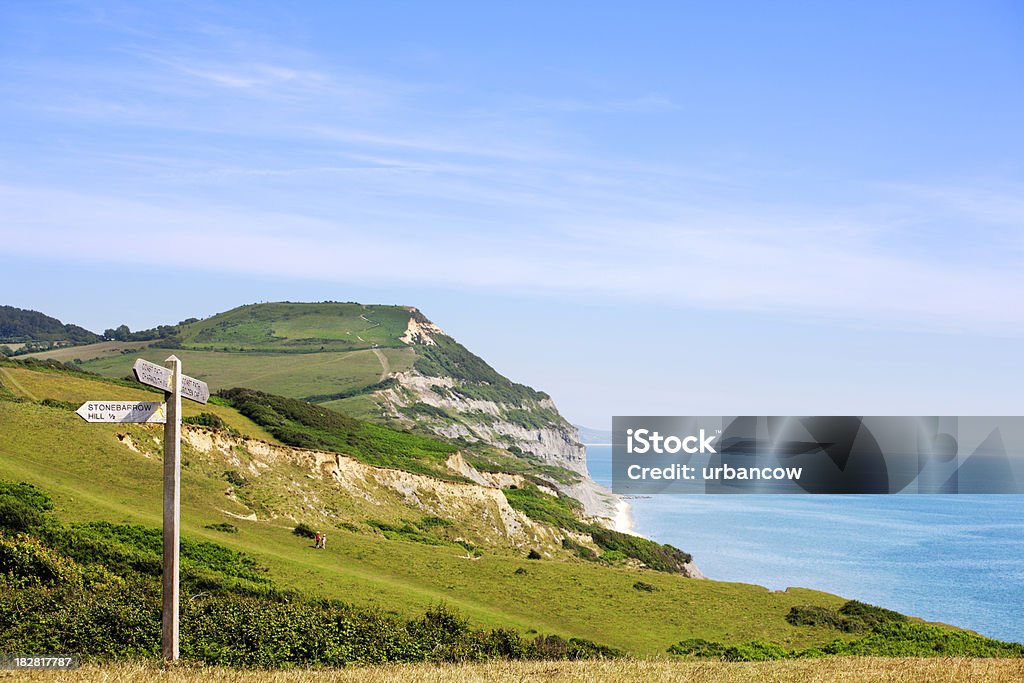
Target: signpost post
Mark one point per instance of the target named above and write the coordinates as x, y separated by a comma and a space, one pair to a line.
172, 512
175, 386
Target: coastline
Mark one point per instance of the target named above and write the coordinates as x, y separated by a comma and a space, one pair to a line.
623, 520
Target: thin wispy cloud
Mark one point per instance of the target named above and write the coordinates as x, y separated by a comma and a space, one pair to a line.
295, 157
701, 267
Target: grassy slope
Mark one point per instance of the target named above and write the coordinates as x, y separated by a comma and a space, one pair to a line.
294, 350
93, 476
320, 350
293, 375
79, 389
306, 326
87, 352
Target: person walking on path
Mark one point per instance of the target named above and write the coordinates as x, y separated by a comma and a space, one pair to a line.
316, 540
323, 541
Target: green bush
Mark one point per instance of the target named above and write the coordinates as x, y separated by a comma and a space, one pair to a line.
559, 511
752, 651
852, 617
224, 527
905, 639
94, 589
869, 615
209, 420
16, 515
236, 478
304, 530
612, 556
305, 425
254, 631
813, 615
581, 551
25, 561
28, 494
60, 405
698, 647
662, 557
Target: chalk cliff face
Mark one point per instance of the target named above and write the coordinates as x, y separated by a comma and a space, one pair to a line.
455, 394
482, 513
269, 481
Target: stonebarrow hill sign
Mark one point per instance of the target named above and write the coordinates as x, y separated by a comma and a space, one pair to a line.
176, 386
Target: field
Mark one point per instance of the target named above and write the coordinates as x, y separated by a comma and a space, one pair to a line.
88, 352
79, 389
299, 327
840, 669
295, 350
295, 375
92, 475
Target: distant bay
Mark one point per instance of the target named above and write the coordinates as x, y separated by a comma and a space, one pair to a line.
955, 559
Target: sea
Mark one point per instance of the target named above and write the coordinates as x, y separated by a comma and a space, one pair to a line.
957, 559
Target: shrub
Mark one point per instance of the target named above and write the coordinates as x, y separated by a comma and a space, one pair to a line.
533, 554
644, 586
25, 561
304, 530
205, 419
224, 527
305, 425
559, 511
813, 615
581, 551
106, 605
655, 555
698, 647
235, 478
852, 617
28, 494
869, 615
752, 651
60, 405
16, 515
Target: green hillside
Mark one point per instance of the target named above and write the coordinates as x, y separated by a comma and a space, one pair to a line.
385, 553
31, 330
297, 375
298, 328
92, 476
291, 349
336, 354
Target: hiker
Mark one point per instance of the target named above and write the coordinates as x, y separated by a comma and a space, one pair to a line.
317, 539
323, 541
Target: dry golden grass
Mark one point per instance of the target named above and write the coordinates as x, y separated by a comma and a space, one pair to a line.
831, 670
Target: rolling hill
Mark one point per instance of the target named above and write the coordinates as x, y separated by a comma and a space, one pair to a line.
384, 550
386, 364
22, 329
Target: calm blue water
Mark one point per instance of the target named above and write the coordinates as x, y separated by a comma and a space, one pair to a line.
956, 559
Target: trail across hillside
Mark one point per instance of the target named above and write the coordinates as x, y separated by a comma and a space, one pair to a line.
385, 366
8, 377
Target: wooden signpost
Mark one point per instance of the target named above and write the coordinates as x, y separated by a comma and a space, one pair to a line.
121, 411
175, 385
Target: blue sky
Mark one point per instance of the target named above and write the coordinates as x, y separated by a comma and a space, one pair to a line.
659, 208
